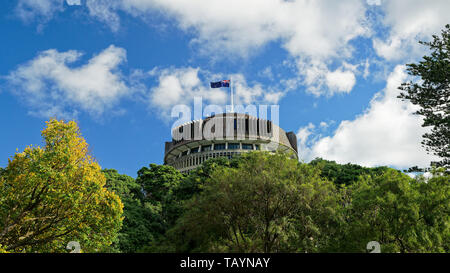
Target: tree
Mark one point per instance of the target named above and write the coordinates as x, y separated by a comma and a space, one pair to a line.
159, 184
197, 178
432, 94
344, 174
136, 231
268, 203
56, 194
401, 213
434, 202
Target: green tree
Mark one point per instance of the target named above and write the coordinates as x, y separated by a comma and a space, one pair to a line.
393, 210
196, 179
139, 220
434, 200
432, 93
55, 194
268, 203
344, 174
159, 184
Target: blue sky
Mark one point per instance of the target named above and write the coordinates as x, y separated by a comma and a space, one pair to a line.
118, 67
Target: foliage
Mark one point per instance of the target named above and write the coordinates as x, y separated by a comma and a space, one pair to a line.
434, 201
432, 93
345, 174
194, 182
258, 202
401, 213
177, 190
136, 231
269, 203
55, 194
159, 184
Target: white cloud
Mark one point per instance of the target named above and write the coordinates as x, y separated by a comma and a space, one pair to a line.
105, 11
247, 94
73, 2
319, 28
29, 10
366, 69
317, 34
267, 73
386, 134
373, 2
321, 81
51, 87
41, 10
341, 81
304, 141
410, 21
312, 31
324, 125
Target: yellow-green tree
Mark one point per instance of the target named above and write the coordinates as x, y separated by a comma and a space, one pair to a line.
56, 194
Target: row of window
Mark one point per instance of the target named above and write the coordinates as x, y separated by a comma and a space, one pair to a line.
195, 160
220, 147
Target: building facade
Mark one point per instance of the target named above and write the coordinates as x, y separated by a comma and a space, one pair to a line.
225, 135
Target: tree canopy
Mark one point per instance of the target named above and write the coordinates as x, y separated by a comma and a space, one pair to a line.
401, 213
431, 91
257, 202
138, 219
268, 203
56, 194
346, 174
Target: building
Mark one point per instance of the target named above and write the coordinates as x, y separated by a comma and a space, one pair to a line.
225, 135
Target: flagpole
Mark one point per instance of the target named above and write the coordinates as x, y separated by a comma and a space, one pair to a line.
232, 102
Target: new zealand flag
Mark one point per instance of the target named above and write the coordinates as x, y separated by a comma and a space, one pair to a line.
224, 83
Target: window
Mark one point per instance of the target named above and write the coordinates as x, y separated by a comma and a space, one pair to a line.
194, 150
233, 146
247, 146
219, 146
257, 147
206, 148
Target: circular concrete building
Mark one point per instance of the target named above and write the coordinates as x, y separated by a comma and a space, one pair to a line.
225, 135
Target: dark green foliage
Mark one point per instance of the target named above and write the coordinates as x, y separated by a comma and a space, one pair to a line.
431, 92
393, 209
345, 174
267, 203
264, 202
168, 189
197, 178
434, 203
140, 222
159, 183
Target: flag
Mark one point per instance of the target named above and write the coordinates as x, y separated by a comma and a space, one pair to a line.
224, 83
